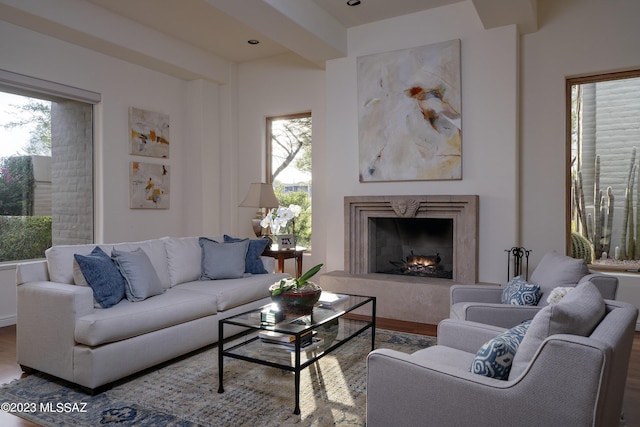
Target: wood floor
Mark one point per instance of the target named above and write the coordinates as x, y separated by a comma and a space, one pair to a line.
9, 370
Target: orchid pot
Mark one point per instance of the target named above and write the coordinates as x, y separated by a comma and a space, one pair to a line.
297, 296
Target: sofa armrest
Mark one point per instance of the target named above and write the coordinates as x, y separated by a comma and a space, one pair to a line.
465, 336
34, 271
502, 315
47, 313
607, 285
476, 293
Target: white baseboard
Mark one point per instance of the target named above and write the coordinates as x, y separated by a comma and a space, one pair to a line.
7, 321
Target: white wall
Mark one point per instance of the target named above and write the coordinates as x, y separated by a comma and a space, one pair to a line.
577, 37
281, 85
489, 62
195, 139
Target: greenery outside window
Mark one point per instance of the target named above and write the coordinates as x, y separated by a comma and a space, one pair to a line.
46, 166
604, 166
289, 168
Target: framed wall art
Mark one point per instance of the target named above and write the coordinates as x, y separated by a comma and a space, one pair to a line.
149, 133
409, 114
149, 186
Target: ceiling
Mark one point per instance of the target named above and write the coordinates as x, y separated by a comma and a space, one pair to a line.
201, 24
201, 39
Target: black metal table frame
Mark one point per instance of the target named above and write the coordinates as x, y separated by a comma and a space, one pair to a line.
298, 366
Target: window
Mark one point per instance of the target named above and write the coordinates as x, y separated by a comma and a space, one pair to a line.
46, 166
289, 168
604, 136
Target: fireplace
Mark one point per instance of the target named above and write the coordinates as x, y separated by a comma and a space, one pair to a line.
421, 236
421, 247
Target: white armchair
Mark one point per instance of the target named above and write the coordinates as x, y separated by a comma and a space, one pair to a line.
482, 303
571, 380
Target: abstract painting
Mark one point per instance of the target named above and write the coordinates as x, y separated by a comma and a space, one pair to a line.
409, 114
149, 133
149, 186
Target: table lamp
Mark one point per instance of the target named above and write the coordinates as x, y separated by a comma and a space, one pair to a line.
260, 196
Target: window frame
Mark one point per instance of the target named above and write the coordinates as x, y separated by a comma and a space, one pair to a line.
569, 83
23, 85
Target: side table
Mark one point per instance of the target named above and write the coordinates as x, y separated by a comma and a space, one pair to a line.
282, 254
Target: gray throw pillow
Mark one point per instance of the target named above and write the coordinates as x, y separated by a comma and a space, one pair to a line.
557, 270
577, 313
141, 279
223, 260
102, 275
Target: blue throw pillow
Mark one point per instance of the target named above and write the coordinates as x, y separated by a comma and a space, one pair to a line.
253, 263
141, 279
495, 357
519, 292
103, 276
222, 260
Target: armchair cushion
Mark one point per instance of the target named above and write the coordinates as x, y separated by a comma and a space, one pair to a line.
577, 313
495, 357
519, 292
557, 270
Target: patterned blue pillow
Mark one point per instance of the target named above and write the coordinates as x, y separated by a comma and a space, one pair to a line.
252, 263
519, 292
495, 357
102, 274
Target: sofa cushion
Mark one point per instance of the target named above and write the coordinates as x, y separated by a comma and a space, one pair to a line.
155, 250
577, 313
128, 319
102, 275
252, 262
222, 260
495, 357
140, 277
232, 293
557, 270
519, 292
60, 258
184, 258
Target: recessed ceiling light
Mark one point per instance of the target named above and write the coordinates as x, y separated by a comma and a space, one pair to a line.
353, 2
253, 41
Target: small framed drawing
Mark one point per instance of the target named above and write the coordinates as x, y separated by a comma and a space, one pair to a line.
286, 241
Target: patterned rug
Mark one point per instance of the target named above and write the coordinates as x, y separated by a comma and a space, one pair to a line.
184, 392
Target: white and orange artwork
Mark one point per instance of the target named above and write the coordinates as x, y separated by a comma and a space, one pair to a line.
149, 186
149, 133
409, 114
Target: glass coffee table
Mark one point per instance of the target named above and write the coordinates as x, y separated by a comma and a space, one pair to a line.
329, 326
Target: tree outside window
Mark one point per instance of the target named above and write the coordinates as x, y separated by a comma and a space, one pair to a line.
46, 175
289, 168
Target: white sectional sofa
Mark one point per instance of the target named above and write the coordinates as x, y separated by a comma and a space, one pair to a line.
62, 331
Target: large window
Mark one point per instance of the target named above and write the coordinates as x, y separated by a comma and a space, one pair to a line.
604, 136
46, 166
289, 168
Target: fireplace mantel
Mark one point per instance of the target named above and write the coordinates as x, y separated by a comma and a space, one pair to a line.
462, 209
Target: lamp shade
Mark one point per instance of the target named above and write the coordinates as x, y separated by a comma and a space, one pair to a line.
260, 195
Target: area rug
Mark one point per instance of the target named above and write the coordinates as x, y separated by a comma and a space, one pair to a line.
184, 392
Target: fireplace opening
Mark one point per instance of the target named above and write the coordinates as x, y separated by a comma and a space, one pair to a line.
411, 246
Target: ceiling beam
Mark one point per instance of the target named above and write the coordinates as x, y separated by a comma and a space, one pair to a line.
299, 25
93, 27
497, 13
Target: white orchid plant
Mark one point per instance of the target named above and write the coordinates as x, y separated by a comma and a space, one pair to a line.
277, 218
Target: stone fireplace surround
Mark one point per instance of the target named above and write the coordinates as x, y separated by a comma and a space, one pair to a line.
415, 299
463, 210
